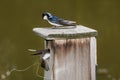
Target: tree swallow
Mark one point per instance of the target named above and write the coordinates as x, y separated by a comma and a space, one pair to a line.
57, 22
44, 56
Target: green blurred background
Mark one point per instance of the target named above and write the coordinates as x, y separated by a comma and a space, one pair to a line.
19, 17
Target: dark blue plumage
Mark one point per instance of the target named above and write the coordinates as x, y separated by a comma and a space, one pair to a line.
55, 21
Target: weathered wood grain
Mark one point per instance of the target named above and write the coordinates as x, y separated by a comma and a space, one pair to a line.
71, 33
73, 52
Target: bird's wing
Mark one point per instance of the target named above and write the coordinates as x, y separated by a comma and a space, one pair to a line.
67, 22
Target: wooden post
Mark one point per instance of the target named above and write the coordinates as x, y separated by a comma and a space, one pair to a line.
73, 53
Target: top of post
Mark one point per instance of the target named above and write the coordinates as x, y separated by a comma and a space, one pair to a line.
65, 33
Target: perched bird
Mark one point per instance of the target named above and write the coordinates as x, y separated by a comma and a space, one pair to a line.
44, 56
57, 22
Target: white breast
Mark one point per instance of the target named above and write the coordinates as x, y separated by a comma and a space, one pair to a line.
54, 24
47, 55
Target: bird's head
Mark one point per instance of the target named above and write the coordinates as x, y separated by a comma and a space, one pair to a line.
46, 15
48, 50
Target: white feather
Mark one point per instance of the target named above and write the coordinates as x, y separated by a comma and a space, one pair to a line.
45, 18
47, 55
54, 24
